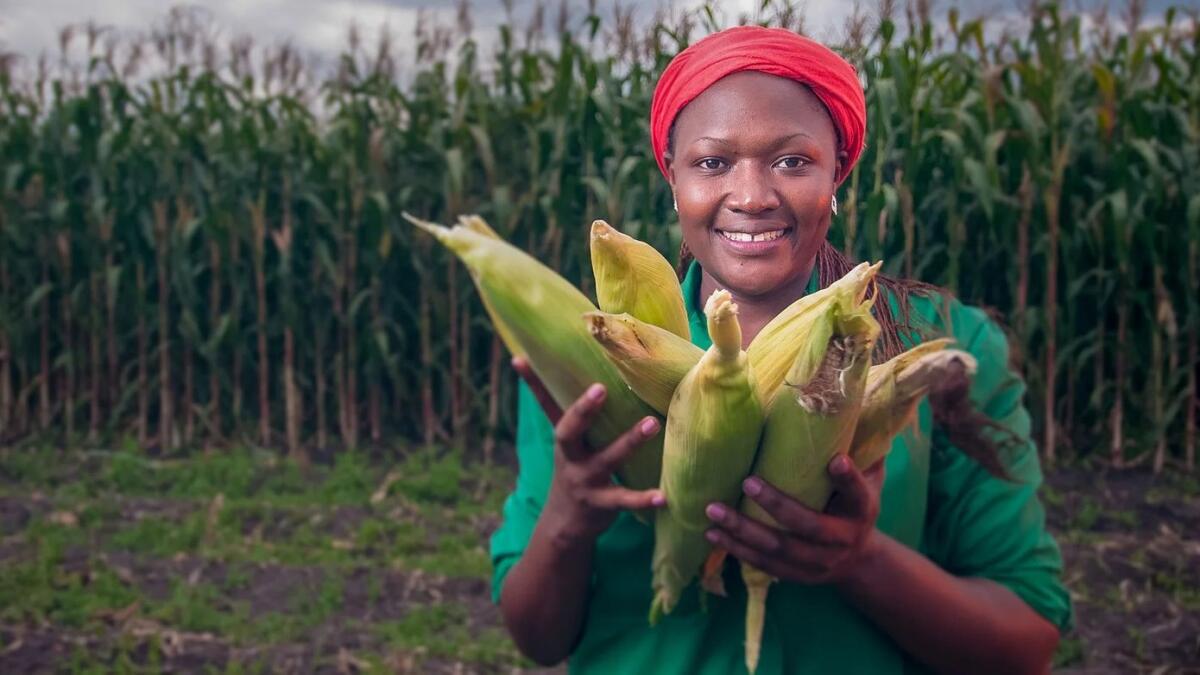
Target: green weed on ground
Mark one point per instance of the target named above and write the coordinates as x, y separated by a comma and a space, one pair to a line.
249, 514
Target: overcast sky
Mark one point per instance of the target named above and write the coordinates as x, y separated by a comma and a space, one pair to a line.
28, 27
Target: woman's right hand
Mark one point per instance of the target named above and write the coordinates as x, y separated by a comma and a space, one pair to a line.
584, 500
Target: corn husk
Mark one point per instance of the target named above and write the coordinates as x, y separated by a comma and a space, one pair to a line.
537, 314
774, 350
711, 435
652, 361
894, 389
633, 278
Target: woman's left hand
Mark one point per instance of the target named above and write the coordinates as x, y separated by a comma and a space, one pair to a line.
808, 547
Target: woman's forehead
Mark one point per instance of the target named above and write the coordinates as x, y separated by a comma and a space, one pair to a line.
754, 103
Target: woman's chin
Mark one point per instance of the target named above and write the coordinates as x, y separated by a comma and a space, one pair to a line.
751, 280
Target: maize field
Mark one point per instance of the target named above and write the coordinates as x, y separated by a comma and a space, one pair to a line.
201, 242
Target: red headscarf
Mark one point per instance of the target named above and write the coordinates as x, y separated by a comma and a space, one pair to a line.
774, 51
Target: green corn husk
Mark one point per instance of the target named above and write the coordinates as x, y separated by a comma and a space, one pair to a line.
652, 360
893, 391
537, 314
774, 350
710, 440
809, 421
633, 278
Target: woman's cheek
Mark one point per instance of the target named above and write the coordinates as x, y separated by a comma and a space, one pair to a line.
699, 204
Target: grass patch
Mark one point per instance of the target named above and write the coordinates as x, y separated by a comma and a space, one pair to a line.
1069, 652
156, 536
1127, 518
441, 631
28, 467
41, 590
455, 556
201, 608
204, 608
271, 512
125, 657
426, 476
1086, 516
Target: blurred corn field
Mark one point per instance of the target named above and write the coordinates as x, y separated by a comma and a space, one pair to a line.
201, 243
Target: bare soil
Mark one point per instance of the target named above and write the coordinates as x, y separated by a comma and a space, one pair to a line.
1131, 546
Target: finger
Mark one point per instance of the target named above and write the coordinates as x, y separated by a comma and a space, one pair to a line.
617, 497
854, 496
552, 409
795, 517
576, 420
616, 452
772, 563
740, 550
745, 529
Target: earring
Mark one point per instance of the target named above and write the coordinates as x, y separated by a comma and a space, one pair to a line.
675, 203
834, 205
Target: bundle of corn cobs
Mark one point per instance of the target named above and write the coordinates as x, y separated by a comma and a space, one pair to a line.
803, 391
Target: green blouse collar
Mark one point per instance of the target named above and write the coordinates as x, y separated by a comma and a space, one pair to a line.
695, 307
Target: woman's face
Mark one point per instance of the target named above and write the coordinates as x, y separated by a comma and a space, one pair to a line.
753, 166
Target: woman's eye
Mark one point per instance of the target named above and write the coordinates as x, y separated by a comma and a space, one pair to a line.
792, 162
711, 164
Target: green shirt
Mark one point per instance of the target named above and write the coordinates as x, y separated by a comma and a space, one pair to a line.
935, 499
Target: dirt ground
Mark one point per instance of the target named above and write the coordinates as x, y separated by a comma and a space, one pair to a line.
1131, 548
125, 575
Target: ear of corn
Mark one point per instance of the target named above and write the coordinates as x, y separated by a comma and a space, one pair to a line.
651, 360
813, 418
633, 277
809, 421
479, 226
893, 391
527, 302
710, 439
774, 350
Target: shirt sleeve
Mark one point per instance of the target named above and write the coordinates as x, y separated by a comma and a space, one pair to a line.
983, 526
535, 462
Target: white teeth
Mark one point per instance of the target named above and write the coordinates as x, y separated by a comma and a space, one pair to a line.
746, 236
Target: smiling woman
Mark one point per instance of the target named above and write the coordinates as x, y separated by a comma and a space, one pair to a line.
944, 566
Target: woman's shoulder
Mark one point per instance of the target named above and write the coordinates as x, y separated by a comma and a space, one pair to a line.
933, 314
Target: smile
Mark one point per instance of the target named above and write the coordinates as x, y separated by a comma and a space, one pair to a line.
771, 235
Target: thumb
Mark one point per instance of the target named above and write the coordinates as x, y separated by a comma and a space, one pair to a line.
852, 496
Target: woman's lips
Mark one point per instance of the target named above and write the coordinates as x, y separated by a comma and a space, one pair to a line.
746, 243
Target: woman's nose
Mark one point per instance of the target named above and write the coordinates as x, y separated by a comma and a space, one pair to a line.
751, 191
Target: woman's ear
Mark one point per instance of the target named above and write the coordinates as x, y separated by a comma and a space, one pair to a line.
668, 162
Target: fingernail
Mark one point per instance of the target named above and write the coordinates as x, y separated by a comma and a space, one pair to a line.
649, 426
658, 500
840, 465
752, 486
716, 511
595, 392
712, 536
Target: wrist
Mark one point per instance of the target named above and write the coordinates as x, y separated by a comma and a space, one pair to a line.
565, 530
567, 539
868, 565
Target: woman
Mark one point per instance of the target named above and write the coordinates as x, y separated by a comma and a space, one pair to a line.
941, 567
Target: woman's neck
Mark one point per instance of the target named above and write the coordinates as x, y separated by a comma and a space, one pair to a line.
755, 311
